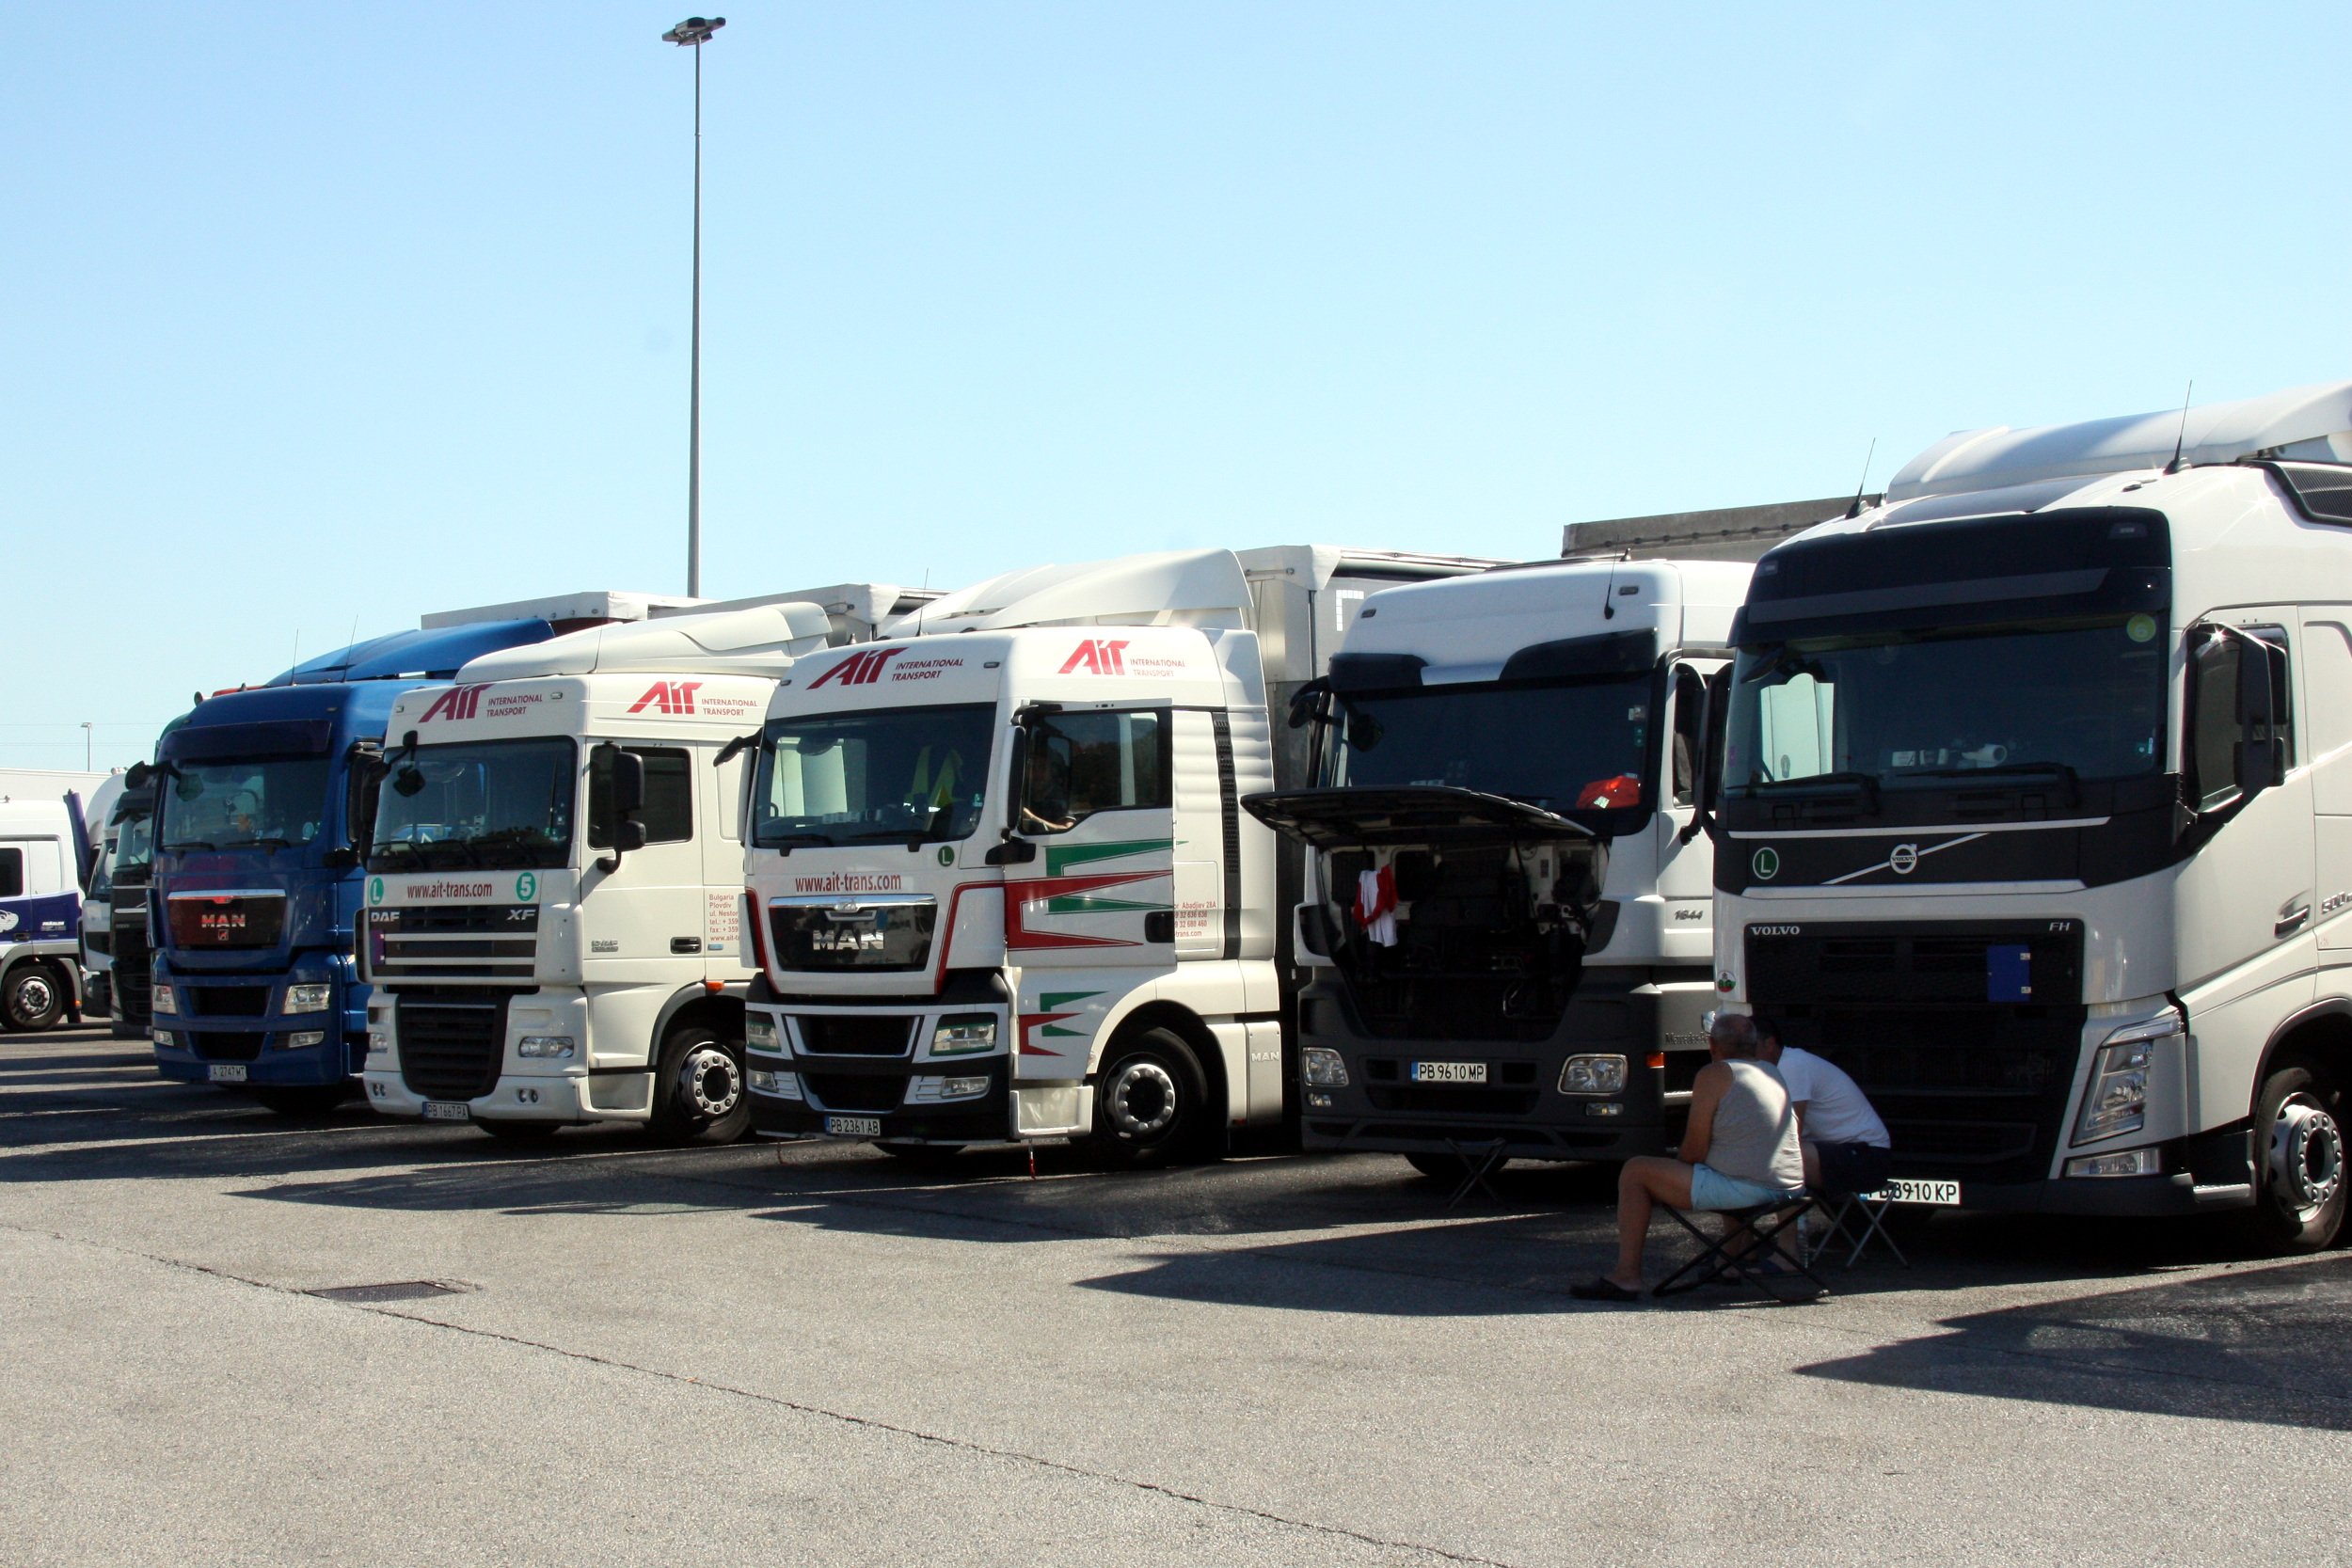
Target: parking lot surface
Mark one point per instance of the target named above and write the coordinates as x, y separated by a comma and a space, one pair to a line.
608, 1353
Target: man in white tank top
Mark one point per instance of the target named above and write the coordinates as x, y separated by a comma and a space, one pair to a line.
1741, 1150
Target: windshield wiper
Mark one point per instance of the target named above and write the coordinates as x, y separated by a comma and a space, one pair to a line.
262, 843
502, 838
2009, 770
786, 841
191, 844
1844, 783
387, 848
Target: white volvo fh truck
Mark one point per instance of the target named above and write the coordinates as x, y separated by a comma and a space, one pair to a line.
2036, 813
555, 871
999, 867
1506, 929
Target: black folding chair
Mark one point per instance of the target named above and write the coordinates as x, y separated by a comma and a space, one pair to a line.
1479, 1162
1857, 1218
1764, 1257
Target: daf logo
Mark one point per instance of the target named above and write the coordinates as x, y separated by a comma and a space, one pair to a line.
1766, 864
1903, 860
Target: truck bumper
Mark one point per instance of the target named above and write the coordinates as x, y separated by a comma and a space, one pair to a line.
2198, 1175
236, 1022
796, 1110
569, 1099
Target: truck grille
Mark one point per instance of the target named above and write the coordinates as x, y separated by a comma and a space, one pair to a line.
220, 921
453, 942
452, 1043
1970, 1088
853, 1034
864, 934
225, 1001
225, 1045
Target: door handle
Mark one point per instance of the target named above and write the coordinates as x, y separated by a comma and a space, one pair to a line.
2291, 921
1160, 926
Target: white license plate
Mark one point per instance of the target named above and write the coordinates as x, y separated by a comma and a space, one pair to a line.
1904, 1189
1448, 1072
448, 1110
853, 1127
228, 1073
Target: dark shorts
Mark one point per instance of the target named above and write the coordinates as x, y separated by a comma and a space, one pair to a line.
1852, 1167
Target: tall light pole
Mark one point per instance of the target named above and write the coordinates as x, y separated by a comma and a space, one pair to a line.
86, 727
694, 33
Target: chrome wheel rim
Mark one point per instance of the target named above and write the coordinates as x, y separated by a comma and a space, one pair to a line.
35, 995
710, 1081
1143, 1101
2306, 1156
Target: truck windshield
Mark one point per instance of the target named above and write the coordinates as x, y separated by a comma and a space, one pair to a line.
912, 775
134, 844
1569, 746
496, 802
270, 804
2085, 701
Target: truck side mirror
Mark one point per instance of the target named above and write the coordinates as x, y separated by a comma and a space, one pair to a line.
612, 808
2261, 754
139, 777
1706, 787
368, 769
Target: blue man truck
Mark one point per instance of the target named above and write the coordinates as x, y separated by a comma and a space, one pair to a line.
264, 797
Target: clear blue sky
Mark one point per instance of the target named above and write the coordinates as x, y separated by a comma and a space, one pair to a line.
315, 315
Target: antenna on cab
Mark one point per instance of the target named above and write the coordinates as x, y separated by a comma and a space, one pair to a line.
2174, 467
1855, 509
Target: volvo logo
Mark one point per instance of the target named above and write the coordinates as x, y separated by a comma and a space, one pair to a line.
1766, 864
1903, 860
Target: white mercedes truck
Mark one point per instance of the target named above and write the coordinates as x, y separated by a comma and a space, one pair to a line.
1504, 927
2036, 813
1001, 887
555, 872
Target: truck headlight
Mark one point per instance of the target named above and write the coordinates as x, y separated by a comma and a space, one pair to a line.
309, 997
1323, 1067
2123, 1161
379, 1041
547, 1047
759, 1032
302, 1039
785, 1085
2116, 1100
1593, 1074
930, 1091
167, 1040
162, 1000
960, 1033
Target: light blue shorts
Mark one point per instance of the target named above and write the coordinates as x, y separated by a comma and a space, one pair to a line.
1710, 1189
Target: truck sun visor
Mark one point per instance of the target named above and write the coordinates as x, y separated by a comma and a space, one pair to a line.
1609, 652
1424, 815
245, 741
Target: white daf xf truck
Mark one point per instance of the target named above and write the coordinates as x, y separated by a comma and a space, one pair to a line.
1001, 887
555, 871
1504, 931
2036, 813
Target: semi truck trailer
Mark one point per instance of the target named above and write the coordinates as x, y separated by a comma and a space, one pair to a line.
1000, 884
2036, 813
554, 881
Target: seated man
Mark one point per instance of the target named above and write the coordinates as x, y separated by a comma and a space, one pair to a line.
1741, 1150
1846, 1145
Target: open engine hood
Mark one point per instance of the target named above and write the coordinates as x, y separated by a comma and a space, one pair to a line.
1422, 815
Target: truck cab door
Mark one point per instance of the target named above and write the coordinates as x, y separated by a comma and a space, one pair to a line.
1090, 901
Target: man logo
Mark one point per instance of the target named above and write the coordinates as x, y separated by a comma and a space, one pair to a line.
1904, 860
1766, 864
859, 669
458, 701
1096, 656
668, 697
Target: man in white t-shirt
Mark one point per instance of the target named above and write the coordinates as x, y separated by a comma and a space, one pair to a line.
1846, 1145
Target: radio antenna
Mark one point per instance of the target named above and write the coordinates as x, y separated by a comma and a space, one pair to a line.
2174, 467
1855, 509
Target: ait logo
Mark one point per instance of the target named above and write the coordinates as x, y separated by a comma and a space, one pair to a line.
860, 669
1096, 656
458, 701
668, 697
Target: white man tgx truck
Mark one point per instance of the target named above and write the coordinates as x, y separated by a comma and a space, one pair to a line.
2036, 813
550, 918
1000, 870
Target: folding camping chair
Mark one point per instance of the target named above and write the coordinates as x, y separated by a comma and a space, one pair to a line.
1479, 1162
1764, 1225
1857, 1218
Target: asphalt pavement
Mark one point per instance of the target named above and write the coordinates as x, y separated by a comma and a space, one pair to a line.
239, 1338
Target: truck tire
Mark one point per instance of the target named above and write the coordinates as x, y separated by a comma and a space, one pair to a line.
521, 1131
305, 1100
1151, 1101
2299, 1186
32, 998
698, 1092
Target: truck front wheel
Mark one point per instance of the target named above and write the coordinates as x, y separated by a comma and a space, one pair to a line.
698, 1092
2299, 1191
31, 998
1151, 1100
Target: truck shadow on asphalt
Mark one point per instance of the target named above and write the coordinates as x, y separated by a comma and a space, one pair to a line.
2271, 1345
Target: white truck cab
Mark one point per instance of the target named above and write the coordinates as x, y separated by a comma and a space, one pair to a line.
43, 851
551, 919
1000, 881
